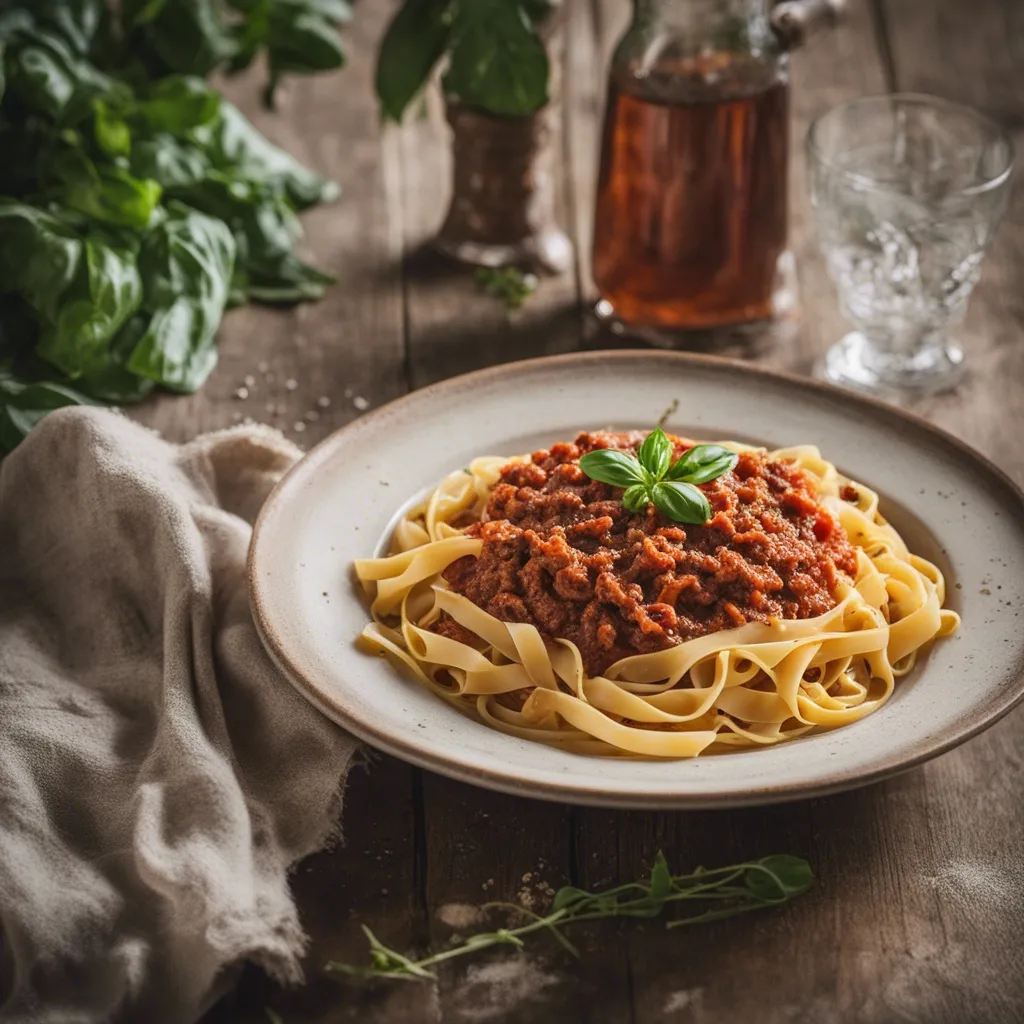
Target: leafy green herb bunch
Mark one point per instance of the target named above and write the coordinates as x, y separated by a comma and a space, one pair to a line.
135, 204
492, 51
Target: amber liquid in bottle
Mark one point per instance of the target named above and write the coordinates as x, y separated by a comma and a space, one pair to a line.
691, 209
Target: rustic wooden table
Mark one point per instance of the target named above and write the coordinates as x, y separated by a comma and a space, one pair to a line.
919, 901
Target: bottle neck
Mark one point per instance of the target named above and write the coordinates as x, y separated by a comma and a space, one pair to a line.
696, 25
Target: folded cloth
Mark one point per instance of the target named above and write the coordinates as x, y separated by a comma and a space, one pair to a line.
158, 776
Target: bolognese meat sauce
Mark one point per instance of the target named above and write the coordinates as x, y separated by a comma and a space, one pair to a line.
561, 552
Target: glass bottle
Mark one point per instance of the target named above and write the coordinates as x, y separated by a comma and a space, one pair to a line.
691, 219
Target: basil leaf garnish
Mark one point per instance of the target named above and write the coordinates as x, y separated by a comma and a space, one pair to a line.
655, 453
652, 477
702, 464
612, 467
635, 498
682, 502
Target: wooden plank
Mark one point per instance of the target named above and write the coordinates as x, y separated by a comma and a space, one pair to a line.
486, 847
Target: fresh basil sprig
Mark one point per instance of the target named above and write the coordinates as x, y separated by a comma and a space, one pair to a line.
710, 895
651, 477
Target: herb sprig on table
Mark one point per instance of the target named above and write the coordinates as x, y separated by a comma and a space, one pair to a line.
651, 477
133, 209
509, 284
195, 37
714, 894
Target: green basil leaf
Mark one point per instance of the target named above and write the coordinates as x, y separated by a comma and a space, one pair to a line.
190, 37
50, 79
568, 896
655, 453
779, 877
110, 130
235, 147
106, 290
81, 288
186, 265
285, 280
261, 219
171, 163
612, 467
703, 463
636, 497
179, 104
414, 42
82, 23
497, 63
302, 41
39, 256
106, 193
23, 404
681, 502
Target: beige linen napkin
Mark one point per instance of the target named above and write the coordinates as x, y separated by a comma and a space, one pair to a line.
158, 777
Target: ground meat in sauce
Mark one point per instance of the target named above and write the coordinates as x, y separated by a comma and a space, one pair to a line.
561, 552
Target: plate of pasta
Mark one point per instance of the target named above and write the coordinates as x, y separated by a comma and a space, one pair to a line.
646, 580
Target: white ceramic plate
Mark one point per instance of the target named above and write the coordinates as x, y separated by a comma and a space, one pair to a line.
340, 502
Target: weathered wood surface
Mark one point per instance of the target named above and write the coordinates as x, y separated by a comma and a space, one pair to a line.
919, 904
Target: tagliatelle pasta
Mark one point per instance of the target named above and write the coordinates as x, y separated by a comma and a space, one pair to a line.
769, 678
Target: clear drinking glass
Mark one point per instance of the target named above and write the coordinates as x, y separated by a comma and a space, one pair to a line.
907, 192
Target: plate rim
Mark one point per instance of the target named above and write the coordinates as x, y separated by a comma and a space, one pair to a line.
573, 794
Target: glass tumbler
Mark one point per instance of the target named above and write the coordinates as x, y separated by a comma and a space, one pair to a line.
907, 191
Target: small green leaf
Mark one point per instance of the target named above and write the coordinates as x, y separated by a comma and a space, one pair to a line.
702, 464
661, 878
186, 265
510, 284
414, 42
171, 163
655, 453
187, 36
106, 192
179, 104
23, 405
612, 467
110, 130
497, 63
302, 42
567, 896
636, 497
233, 145
681, 502
779, 877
